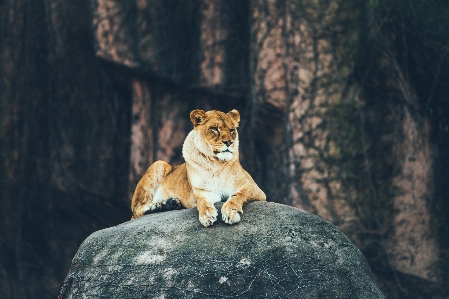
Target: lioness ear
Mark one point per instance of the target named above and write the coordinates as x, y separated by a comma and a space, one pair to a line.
197, 116
235, 116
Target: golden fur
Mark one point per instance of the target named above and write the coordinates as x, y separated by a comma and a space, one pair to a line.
212, 173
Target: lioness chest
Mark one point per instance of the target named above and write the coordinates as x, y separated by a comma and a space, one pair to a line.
221, 182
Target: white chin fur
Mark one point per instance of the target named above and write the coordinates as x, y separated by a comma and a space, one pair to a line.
224, 156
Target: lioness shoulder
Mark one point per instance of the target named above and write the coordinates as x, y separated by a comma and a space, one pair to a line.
211, 173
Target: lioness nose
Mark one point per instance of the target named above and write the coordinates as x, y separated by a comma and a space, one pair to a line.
227, 142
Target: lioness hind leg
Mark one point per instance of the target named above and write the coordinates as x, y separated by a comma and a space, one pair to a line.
171, 204
148, 186
160, 205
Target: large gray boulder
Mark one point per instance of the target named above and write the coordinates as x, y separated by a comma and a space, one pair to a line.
274, 252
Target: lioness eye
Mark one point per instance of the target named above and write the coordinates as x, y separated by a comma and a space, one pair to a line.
214, 129
232, 131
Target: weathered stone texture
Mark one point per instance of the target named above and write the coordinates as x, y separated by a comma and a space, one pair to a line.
275, 252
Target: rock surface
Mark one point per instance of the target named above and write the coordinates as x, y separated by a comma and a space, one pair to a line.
274, 252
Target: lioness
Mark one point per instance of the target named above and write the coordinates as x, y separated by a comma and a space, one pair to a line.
212, 173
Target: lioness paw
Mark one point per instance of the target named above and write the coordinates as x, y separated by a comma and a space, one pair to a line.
171, 204
229, 214
152, 207
208, 216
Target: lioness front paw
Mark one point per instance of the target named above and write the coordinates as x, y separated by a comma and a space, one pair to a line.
208, 216
230, 214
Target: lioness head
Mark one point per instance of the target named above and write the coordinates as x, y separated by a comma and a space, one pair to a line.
216, 133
